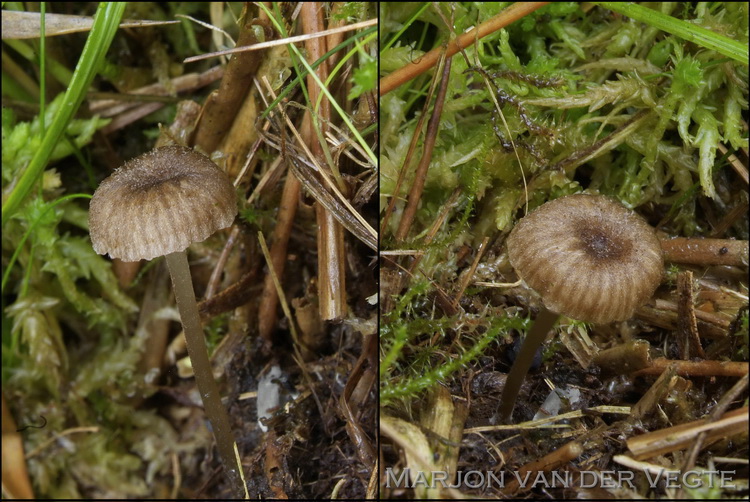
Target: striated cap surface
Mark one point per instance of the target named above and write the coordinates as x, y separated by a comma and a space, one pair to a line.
160, 203
589, 257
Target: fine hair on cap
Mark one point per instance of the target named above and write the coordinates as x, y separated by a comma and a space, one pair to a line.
589, 257
160, 203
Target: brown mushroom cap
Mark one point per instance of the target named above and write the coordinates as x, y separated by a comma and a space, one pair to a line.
160, 203
588, 256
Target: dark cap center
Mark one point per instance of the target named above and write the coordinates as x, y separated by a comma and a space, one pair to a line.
602, 243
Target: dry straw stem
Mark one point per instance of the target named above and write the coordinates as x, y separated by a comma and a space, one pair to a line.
547, 422
696, 368
109, 104
736, 213
337, 27
665, 383
324, 191
664, 315
331, 253
687, 324
234, 296
427, 61
154, 298
23, 25
221, 262
445, 418
282, 232
604, 145
699, 314
613, 357
56, 438
466, 278
445, 209
417, 449
736, 163
682, 436
285, 41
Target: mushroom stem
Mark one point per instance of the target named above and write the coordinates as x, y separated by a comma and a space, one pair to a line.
204, 378
534, 339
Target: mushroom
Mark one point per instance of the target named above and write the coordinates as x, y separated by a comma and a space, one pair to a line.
590, 259
157, 205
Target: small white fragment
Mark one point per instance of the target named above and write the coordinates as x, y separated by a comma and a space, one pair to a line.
269, 396
554, 402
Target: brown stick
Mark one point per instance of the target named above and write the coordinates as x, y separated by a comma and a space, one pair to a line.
738, 166
354, 428
665, 383
335, 39
467, 276
411, 70
408, 158
706, 251
549, 462
218, 270
432, 232
222, 105
234, 296
696, 368
667, 318
269, 301
420, 176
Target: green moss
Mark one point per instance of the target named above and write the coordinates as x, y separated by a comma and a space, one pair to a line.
68, 353
743, 334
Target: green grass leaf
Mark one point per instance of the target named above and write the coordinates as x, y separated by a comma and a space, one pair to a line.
105, 26
683, 29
